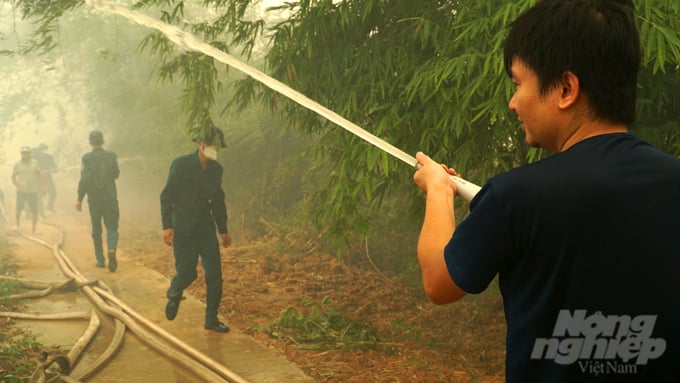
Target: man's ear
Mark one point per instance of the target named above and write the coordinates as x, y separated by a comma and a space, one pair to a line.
570, 90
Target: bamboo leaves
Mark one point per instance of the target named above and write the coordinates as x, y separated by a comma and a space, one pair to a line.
423, 75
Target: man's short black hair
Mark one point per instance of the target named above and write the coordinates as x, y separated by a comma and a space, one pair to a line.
597, 40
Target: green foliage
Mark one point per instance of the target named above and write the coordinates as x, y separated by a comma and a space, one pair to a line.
93, 80
199, 75
15, 348
8, 288
46, 15
322, 328
17, 351
427, 76
423, 75
7, 268
17, 358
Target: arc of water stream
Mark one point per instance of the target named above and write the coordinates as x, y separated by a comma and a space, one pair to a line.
186, 40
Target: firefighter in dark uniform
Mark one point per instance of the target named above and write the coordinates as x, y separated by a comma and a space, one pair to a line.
99, 171
192, 205
47, 168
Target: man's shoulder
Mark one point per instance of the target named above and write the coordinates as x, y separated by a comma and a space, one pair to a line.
111, 155
185, 159
187, 156
528, 181
108, 153
560, 164
98, 153
588, 160
27, 166
533, 171
217, 166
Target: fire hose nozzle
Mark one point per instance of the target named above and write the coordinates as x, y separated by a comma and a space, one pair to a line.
466, 189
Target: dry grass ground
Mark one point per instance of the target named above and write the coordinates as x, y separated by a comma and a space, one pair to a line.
416, 341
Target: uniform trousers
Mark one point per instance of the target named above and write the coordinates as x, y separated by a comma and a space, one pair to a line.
187, 249
106, 211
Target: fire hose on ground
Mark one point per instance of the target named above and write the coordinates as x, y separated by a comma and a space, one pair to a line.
60, 367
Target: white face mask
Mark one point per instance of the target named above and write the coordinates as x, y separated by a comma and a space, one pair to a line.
210, 153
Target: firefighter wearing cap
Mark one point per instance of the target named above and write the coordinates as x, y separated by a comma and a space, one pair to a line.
28, 182
99, 171
192, 207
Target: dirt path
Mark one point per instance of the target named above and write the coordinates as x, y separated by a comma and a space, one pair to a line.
268, 280
143, 289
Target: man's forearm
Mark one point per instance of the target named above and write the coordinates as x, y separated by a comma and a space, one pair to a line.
438, 227
167, 209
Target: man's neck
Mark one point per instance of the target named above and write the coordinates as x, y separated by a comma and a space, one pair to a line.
590, 129
202, 159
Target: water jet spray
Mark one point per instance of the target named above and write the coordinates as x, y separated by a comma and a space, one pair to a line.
186, 40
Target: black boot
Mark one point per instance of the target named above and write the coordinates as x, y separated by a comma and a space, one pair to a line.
216, 326
172, 306
113, 264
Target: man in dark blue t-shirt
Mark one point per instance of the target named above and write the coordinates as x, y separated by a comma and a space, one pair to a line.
585, 242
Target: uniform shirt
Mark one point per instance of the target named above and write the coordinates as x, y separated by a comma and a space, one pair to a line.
192, 199
45, 161
594, 228
26, 174
98, 176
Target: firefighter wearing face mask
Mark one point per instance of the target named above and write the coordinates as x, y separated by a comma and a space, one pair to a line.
194, 215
